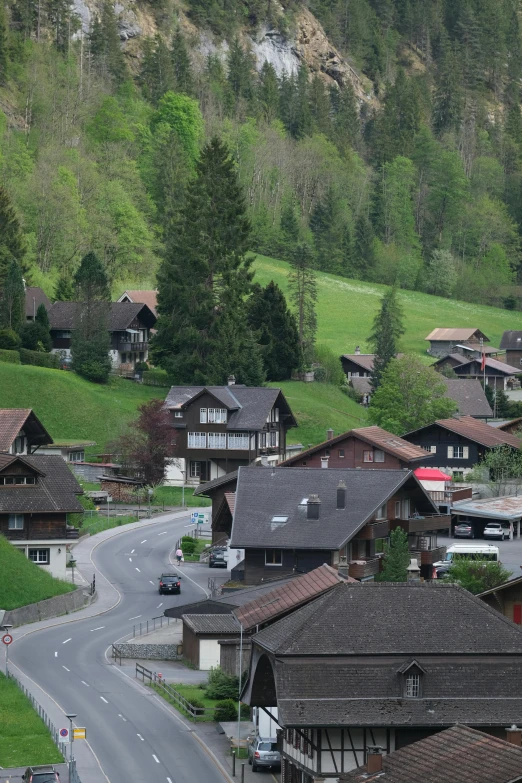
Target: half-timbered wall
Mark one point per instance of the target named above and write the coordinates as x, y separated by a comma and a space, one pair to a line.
329, 752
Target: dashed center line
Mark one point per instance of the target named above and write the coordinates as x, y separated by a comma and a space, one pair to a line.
85, 683
144, 541
135, 618
97, 629
169, 780
56, 655
141, 738
67, 640
105, 700
156, 759
138, 570
66, 669
130, 559
161, 604
150, 580
132, 551
163, 534
121, 716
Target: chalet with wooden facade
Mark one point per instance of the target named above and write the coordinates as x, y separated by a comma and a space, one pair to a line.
511, 343
295, 519
357, 365
383, 665
457, 444
506, 599
143, 296
364, 447
444, 341
36, 495
21, 431
496, 374
220, 428
129, 326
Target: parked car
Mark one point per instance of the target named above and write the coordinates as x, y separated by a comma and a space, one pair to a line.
169, 583
46, 774
263, 753
496, 530
464, 530
218, 558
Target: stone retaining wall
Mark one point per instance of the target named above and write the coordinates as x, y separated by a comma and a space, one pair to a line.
150, 652
51, 607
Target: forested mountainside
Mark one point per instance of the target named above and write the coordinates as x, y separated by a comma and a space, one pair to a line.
385, 133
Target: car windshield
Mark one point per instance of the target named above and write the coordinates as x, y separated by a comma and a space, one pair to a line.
44, 777
494, 525
267, 746
169, 579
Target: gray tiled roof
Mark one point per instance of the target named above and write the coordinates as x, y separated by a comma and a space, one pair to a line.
249, 405
55, 490
471, 755
208, 486
395, 619
511, 340
212, 623
34, 297
469, 396
264, 493
62, 315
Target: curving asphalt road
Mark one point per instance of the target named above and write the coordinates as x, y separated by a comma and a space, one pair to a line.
133, 734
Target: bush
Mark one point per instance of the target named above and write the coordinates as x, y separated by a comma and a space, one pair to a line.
38, 359
9, 340
225, 710
35, 337
327, 366
141, 367
155, 378
196, 703
222, 685
95, 371
9, 357
188, 545
246, 712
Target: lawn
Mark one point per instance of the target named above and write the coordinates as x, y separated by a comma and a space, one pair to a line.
71, 407
24, 737
190, 692
346, 308
22, 582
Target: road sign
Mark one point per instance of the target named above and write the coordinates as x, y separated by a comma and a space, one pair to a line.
7, 638
79, 733
194, 517
64, 736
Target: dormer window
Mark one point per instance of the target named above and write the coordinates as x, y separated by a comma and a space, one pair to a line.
412, 686
17, 480
412, 675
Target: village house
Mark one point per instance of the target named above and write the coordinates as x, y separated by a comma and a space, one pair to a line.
129, 326
511, 343
458, 444
69, 450
21, 431
441, 488
357, 365
295, 519
34, 297
496, 374
219, 428
148, 297
471, 755
470, 397
506, 598
36, 495
444, 341
402, 665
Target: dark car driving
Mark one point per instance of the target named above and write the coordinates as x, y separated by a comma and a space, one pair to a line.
218, 558
46, 774
169, 583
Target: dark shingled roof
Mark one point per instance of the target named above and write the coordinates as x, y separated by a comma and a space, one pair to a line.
511, 340
62, 315
469, 396
34, 297
55, 490
12, 420
249, 405
459, 754
212, 623
473, 366
364, 360
475, 430
208, 486
265, 493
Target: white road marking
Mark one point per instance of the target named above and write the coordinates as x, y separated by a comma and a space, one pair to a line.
144, 541
121, 716
85, 683
161, 604
132, 551
150, 580
156, 759
66, 669
169, 780
67, 640
105, 700
97, 629
135, 618
141, 738
130, 559
191, 524
138, 570
163, 534
56, 655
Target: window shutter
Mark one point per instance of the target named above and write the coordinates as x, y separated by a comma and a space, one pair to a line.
517, 614
305, 742
450, 452
465, 452
290, 736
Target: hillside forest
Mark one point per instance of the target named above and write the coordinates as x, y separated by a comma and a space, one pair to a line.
411, 172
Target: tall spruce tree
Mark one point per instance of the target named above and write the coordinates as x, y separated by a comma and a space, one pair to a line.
302, 284
12, 240
64, 289
4, 46
204, 279
396, 558
105, 49
275, 325
181, 64
91, 341
387, 330
12, 302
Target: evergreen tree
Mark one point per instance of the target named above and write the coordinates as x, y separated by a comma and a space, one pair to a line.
240, 79
387, 330
64, 289
181, 64
326, 223
396, 558
105, 49
204, 279
4, 46
91, 340
346, 124
270, 318
12, 240
268, 93
12, 302
302, 284
157, 74
364, 254
319, 106
289, 226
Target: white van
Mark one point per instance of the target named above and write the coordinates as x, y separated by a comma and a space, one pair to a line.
481, 552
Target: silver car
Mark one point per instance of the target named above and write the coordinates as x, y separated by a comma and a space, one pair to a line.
263, 753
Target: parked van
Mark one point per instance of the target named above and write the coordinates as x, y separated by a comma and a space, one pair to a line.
480, 552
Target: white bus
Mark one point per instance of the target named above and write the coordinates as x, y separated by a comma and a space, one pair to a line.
480, 552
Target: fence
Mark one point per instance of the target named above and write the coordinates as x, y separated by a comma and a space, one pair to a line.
150, 625
207, 713
73, 773
116, 653
215, 585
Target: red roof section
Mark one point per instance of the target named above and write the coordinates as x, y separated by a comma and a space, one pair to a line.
289, 596
12, 420
431, 474
478, 431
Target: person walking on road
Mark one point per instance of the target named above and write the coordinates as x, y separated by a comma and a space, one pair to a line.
179, 555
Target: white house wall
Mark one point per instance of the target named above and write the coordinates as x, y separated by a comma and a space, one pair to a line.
174, 472
340, 750
57, 555
266, 727
209, 654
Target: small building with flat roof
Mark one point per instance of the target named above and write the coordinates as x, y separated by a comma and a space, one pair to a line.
484, 510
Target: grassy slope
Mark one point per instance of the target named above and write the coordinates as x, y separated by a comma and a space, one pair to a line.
22, 582
24, 737
71, 407
346, 309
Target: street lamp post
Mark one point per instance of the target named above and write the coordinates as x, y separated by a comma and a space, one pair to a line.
6, 628
183, 474
71, 717
72, 563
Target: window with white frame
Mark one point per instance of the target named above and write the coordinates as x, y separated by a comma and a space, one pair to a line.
261, 440
217, 415
397, 509
458, 452
178, 414
238, 441
16, 522
203, 415
273, 557
197, 440
6, 480
76, 456
40, 556
406, 508
273, 416
217, 440
381, 512
412, 686
378, 455
430, 449
273, 439
195, 469
368, 455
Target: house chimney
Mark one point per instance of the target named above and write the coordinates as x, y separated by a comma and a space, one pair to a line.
514, 735
341, 495
231, 380
357, 350
374, 758
313, 507
329, 434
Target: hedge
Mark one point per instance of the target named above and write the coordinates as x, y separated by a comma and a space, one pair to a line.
10, 357
39, 359
155, 378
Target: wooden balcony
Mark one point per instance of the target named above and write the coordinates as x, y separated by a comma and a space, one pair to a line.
451, 495
428, 556
364, 567
126, 347
374, 530
423, 524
